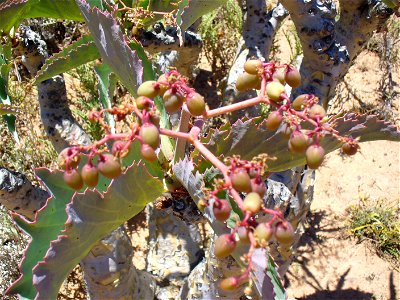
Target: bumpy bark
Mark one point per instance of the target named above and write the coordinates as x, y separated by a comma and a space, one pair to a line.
19, 195
330, 47
259, 28
165, 41
108, 268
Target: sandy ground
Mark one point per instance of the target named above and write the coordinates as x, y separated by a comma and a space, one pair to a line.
331, 265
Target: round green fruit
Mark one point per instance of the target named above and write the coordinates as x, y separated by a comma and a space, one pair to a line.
224, 246
284, 233
196, 104
292, 77
263, 233
298, 142
147, 89
315, 156
317, 111
221, 210
150, 135
241, 181
252, 66
300, 102
274, 120
229, 284
172, 101
148, 153
275, 90
109, 166
90, 175
252, 203
73, 179
248, 81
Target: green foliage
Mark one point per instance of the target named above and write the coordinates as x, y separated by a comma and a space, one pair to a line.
5, 99
78, 53
87, 100
91, 216
220, 31
378, 222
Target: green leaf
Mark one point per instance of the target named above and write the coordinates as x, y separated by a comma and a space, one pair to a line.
249, 139
391, 3
78, 53
106, 86
112, 45
91, 216
7, 111
51, 219
14, 11
272, 273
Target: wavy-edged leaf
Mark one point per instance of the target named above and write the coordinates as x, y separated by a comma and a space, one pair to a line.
11, 12
92, 216
249, 139
49, 222
14, 11
78, 53
51, 218
112, 45
106, 87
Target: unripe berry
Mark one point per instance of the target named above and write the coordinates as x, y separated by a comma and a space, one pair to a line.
224, 246
275, 90
248, 81
287, 131
147, 89
279, 76
274, 120
73, 179
315, 156
258, 186
90, 175
284, 233
118, 149
243, 234
298, 142
155, 118
263, 233
300, 102
150, 135
252, 66
292, 77
241, 181
109, 166
64, 157
196, 104
143, 102
221, 210
349, 148
317, 111
172, 101
148, 153
162, 87
252, 203
229, 284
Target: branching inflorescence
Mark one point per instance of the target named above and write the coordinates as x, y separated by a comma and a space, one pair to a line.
238, 176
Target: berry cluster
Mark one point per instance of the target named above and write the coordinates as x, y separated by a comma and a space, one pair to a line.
289, 115
145, 128
243, 181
